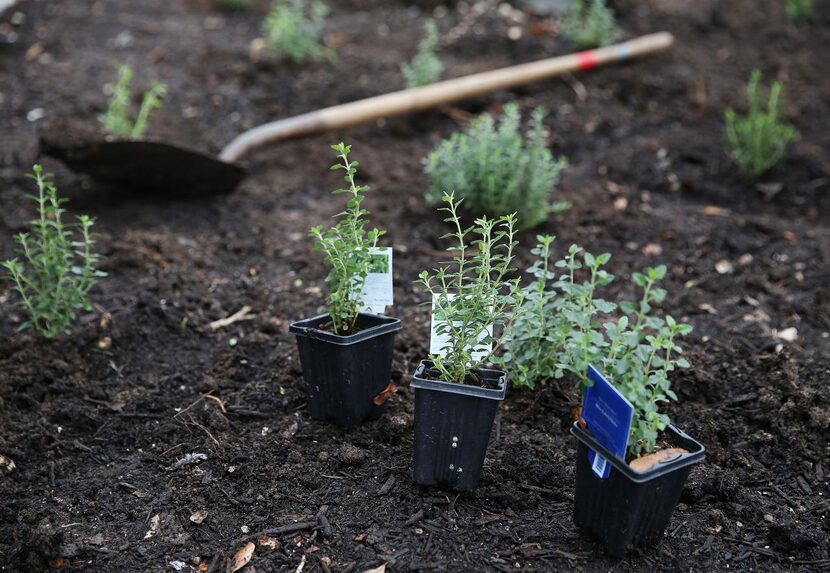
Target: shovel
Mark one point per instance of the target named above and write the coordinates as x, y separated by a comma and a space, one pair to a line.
158, 166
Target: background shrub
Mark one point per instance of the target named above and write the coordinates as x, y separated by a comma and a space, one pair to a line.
495, 171
590, 23
758, 140
426, 67
293, 29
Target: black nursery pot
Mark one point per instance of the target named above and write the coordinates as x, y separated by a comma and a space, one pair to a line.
345, 373
452, 426
628, 507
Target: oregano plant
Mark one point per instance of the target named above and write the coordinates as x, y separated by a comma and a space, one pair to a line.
472, 295
347, 248
59, 263
563, 326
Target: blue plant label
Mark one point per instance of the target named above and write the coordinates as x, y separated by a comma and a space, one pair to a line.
608, 415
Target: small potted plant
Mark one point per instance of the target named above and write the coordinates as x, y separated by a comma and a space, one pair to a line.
346, 354
456, 395
557, 333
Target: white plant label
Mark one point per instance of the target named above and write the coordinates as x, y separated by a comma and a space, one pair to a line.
438, 343
377, 290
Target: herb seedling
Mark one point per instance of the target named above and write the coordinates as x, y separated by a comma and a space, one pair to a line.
234, 4
558, 331
117, 118
590, 23
347, 247
472, 294
426, 67
59, 266
293, 29
495, 172
798, 10
758, 140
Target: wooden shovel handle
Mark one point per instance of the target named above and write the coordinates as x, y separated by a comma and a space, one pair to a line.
418, 99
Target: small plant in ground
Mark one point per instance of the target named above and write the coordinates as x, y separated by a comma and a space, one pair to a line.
234, 4
426, 67
758, 140
590, 23
472, 295
347, 247
798, 10
562, 327
59, 263
495, 172
117, 118
293, 29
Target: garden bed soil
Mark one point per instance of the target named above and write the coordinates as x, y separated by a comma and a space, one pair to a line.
99, 423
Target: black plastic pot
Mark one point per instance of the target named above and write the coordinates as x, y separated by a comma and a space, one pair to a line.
452, 426
630, 508
344, 374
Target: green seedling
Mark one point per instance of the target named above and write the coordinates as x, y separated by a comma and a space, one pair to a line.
234, 4
798, 10
293, 29
758, 140
472, 295
590, 23
495, 171
347, 248
426, 67
117, 118
59, 264
562, 327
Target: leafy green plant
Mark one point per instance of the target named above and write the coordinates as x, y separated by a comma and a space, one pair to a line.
758, 140
117, 118
590, 23
472, 294
293, 29
59, 266
347, 247
426, 67
563, 326
799, 9
495, 172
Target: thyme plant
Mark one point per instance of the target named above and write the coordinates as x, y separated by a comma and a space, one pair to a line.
472, 294
426, 67
590, 23
59, 264
495, 171
563, 326
117, 118
758, 140
346, 247
293, 29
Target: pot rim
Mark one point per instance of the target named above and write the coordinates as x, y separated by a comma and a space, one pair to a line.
498, 393
696, 454
385, 325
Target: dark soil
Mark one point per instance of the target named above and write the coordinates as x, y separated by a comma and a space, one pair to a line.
97, 421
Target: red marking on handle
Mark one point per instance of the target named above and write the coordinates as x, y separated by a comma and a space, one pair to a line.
587, 60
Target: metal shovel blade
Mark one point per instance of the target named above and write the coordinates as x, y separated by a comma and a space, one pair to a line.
142, 164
